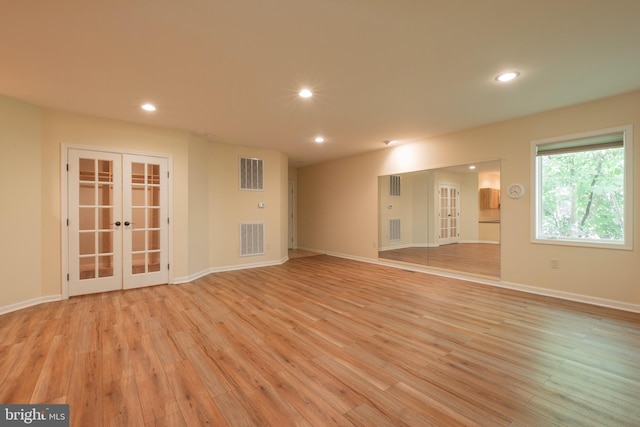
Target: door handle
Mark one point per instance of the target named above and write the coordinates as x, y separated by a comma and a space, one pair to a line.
117, 223
127, 223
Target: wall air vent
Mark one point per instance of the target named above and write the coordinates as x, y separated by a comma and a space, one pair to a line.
251, 239
394, 229
394, 185
251, 174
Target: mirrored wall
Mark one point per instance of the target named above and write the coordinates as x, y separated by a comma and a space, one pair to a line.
447, 218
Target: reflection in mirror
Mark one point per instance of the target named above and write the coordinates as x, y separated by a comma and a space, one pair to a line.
447, 218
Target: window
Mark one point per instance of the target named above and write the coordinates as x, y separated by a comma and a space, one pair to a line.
583, 189
251, 174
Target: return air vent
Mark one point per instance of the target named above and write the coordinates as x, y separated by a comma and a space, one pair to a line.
394, 229
394, 185
251, 239
251, 174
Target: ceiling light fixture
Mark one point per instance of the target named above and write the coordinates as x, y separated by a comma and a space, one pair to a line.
507, 77
148, 107
472, 167
389, 142
305, 93
319, 139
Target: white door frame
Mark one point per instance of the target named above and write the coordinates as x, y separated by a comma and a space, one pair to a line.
449, 239
64, 205
291, 224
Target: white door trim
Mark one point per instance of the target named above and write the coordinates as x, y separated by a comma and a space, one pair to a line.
456, 215
64, 205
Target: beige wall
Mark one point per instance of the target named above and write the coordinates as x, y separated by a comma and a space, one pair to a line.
199, 204
230, 206
206, 210
338, 200
72, 129
21, 205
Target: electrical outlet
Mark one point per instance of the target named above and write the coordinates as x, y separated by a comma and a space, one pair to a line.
555, 264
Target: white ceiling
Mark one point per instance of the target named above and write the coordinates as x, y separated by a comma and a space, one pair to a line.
380, 69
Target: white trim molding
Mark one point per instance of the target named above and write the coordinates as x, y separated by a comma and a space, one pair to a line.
568, 296
29, 303
200, 274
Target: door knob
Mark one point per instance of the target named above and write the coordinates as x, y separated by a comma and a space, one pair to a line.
127, 223
117, 223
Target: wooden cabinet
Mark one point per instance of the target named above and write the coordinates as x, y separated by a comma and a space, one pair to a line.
489, 198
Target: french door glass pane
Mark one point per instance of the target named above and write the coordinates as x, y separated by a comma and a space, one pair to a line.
105, 194
87, 195
137, 196
105, 242
87, 170
154, 196
154, 240
105, 218
95, 213
154, 262
87, 268
154, 218
106, 266
87, 218
105, 172
138, 263
137, 240
137, 173
87, 243
137, 218
145, 214
153, 174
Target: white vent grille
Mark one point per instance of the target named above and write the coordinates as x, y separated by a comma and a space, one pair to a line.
251, 174
394, 229
394, 185
251, 239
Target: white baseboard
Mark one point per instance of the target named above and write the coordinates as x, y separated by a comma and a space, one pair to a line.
487, 242
569, 296
29, 303
602, 302
198, 275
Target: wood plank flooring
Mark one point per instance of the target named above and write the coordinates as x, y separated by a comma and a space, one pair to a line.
475, 258
324, 341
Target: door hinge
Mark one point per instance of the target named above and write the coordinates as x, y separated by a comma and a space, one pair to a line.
168, 266
67, 277
167, 174
67, 222
167, 220
67, 167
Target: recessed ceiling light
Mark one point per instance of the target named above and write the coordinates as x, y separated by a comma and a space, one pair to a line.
305, 93
472, 167
148, 107
507, 77
319, 139
389, 142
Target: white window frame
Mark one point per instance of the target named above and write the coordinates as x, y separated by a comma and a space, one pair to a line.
536, 194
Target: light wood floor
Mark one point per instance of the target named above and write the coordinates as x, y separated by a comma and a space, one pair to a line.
324, 341
475, 258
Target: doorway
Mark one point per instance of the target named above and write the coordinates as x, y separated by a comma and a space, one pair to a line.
449, 213
117, 221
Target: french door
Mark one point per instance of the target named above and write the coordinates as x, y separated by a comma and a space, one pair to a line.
117, 221
449, 213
